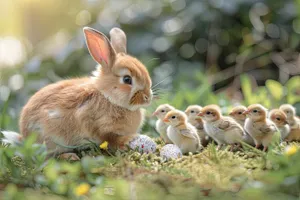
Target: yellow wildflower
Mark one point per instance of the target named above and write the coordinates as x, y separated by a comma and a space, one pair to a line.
104, 145
82, 189
290, 150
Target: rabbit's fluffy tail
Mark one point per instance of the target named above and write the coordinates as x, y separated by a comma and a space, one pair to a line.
10, 137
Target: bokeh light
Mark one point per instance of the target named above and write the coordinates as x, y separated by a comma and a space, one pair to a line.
12, 52
185, 44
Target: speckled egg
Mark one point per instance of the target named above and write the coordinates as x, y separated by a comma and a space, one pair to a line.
143, 144
170, 151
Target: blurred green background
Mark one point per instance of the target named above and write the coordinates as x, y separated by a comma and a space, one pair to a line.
199, 51
202, 51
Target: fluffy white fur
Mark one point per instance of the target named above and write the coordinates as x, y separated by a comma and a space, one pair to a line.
10, 137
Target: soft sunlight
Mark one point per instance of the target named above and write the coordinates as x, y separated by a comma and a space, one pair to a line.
12, 52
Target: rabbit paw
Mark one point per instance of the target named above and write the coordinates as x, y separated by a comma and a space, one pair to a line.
69, 157
170, 151
143, 144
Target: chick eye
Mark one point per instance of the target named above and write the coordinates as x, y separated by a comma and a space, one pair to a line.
278, 118
239, 113
255, 111
208, 113
192, 111
162, 110
173, 117
287, 111
127, 80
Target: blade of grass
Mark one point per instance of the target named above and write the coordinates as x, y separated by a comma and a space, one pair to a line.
3, 114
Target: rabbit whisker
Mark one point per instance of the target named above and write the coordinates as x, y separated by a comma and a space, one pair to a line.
160, 82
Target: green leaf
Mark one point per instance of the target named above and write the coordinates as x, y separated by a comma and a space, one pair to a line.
293, 82
275, 89
51, 172
178, 100
293, 90
30, 140
247, 89
190, 97
276, 138
3, 117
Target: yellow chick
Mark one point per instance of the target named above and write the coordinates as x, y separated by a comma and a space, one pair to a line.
181, 132
224, 130
259, 127
237, 113
290, 112
294, 135
278, 117
160, 126
293, 121
192, 114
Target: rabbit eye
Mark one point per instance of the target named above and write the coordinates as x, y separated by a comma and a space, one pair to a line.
173, 117
127, 80
239, 113
255, 111
278, 118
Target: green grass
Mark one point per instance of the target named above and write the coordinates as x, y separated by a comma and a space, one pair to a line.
243, 174
130, 175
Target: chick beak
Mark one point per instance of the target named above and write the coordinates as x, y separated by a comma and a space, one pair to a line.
200, 114
246, 112
166, 120
285, 122
154, 114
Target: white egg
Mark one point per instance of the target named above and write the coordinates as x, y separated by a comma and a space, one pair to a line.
170, 151
143, 144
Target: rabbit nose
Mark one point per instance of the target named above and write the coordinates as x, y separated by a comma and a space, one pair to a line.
146, 98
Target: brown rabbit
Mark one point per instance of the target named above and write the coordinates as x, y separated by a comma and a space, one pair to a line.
106, 107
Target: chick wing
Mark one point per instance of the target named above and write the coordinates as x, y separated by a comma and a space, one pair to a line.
187, 133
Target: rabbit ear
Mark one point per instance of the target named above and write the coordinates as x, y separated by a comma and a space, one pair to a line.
118, 40
99, 47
